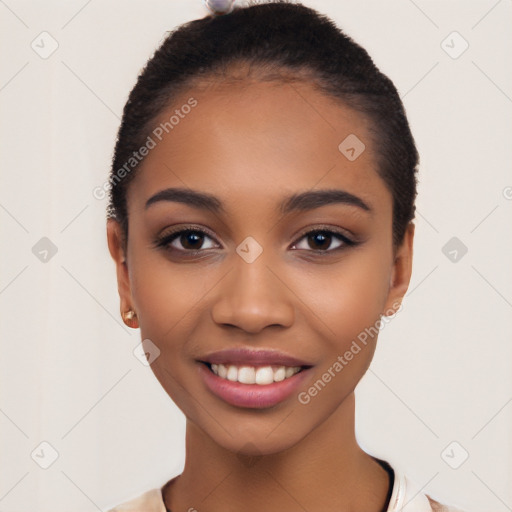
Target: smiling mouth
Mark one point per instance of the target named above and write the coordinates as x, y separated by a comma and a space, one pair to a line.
254, 374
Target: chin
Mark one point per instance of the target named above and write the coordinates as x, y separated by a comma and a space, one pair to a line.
255, 444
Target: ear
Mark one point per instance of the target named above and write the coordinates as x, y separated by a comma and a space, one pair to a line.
116, 245
401, 273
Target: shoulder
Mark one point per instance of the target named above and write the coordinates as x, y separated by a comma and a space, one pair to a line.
150, 501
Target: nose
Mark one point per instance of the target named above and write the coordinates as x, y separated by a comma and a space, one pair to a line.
254, 296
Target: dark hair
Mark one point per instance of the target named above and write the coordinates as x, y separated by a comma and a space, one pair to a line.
279, 41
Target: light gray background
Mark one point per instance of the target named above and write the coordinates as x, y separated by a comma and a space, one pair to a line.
442, 370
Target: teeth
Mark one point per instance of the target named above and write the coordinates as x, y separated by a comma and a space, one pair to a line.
288, 372
254, 375
232, 373
222, 371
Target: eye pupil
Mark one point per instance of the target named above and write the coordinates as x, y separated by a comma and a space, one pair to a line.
191, 238
320, 239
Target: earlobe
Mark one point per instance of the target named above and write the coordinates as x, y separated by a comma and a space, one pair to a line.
117, 251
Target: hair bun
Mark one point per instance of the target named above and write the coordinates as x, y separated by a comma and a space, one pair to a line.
219, 6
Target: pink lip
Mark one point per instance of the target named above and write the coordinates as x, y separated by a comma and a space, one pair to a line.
249, 357
251, 395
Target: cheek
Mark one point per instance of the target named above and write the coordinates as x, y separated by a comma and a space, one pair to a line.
348, 302
350, 296
166, 296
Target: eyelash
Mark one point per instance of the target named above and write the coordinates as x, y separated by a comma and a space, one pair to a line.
165, 240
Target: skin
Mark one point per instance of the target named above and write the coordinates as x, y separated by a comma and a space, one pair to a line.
252, 145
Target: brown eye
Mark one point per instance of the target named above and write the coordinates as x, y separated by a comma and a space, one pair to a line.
185, 240
191, 239
322, 240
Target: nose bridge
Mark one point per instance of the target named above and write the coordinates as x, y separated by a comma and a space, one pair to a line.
253, 295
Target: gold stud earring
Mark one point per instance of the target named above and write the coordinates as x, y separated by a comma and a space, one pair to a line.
130, 318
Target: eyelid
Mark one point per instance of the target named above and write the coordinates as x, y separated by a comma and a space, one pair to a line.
343, 233
187, 227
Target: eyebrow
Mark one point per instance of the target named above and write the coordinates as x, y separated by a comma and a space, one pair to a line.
299, 202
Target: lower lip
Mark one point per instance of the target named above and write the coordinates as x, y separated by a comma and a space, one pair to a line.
255, 396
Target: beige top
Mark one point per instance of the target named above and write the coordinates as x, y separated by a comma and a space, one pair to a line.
406, 497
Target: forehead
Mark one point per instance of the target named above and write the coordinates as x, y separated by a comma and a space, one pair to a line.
258, 141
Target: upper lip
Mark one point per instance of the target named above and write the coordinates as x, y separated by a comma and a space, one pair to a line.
241, 356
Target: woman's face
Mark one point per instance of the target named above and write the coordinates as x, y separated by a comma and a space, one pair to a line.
255, 278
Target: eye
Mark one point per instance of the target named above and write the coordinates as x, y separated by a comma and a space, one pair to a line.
319, 240
185, 240
192, 240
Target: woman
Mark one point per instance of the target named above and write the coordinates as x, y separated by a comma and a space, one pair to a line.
261, 206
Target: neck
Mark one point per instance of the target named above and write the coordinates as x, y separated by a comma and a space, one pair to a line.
325, 471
